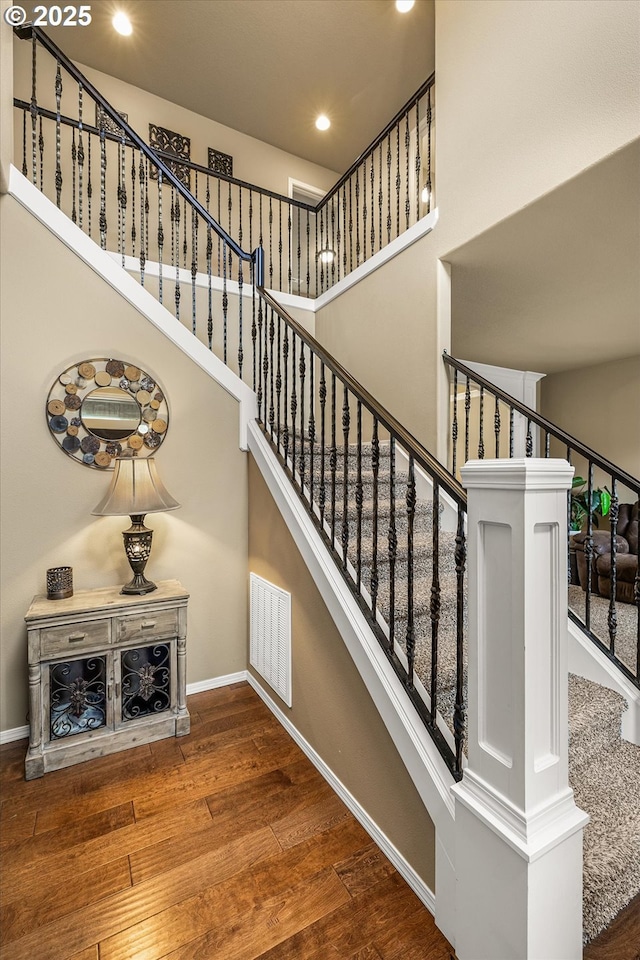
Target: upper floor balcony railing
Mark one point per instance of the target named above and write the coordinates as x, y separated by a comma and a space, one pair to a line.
98, 176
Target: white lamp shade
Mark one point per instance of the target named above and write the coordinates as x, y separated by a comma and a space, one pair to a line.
135, 489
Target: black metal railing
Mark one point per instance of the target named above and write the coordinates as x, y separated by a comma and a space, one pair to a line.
307, 248
392, 517
134, 202
602, 564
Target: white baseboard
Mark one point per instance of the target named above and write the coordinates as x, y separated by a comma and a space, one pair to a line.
17, 733
406, 871
201, 685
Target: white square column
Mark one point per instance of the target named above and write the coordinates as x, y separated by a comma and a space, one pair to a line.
518, 830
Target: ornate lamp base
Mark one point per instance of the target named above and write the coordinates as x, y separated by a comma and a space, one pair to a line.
137, 546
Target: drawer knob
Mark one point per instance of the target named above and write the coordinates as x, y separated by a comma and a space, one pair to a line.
147, 624
76, 637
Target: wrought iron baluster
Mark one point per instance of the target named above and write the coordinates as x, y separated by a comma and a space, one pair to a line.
434, 605
259, 393
272, 333
454, 425
429, 180
278, 381
184, 233
119, 202
459, 710
175, 249
289, 250
398, 180
350, 227
33, 109
285, 358
407, 143
344, 229
569, 523
333, 243
74, 153
547, 444
316, 252
230, 210
194, 262
240, 318
364, 210
372, 177
496, 427
58, 88
312, 422
240, 219
294, 404
333, 459
389, 220
380, 197
280, 243
418, 160
41, 151
103, 175
225, 302
250, 219
588, 548
143, 196
25, 169
392, 542
346, 422
270, 244
481, 436
219, 221
612, 617
134, 233
320, 254
302, 367
160, 235
467, 408
359, 497
336, 200
299, 251
210, 291
357, 216
89, 186
308, 255
411, 510
529, 441
323, 402
123, 198
375, 467
511, 415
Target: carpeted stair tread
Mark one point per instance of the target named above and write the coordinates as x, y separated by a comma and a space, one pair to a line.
588, 737
609, 791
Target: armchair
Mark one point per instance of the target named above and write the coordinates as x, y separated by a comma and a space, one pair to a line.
626, 556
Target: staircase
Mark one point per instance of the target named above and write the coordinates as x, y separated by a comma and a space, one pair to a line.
604, 768
374, 504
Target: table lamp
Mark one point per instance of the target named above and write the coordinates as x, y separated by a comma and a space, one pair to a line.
136, 489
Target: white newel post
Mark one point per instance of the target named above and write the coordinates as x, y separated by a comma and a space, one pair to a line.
518, 830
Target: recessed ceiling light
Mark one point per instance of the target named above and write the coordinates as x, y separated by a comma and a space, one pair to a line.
403, 6
323, 122
122, 24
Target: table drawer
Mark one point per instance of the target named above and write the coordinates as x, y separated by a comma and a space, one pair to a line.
86, 635
149, 626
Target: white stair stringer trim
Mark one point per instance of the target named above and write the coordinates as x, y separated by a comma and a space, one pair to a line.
422, 760
404, 868
102, 263
588, 661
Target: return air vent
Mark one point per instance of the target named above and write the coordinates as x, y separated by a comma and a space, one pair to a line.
270, 641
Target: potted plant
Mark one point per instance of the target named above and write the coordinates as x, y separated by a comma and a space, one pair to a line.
581, 508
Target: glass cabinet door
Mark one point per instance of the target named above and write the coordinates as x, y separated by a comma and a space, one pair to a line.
77, 696
146, 680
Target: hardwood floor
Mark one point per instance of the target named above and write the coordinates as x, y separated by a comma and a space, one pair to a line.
223, 844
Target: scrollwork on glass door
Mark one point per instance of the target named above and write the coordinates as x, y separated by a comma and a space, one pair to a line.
146, 681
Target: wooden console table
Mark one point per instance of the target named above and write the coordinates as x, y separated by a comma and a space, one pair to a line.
106, 672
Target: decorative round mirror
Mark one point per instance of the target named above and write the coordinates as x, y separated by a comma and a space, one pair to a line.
104, 408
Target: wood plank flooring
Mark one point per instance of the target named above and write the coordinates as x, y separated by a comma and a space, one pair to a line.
224, 844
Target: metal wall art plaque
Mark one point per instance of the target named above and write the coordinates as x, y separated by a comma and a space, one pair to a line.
104, 121
174, 143
220, 162
104, 408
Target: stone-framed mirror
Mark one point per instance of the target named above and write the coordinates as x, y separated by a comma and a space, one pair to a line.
104, 408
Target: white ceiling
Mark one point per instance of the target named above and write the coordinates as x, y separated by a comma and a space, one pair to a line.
268, 67
556, 286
